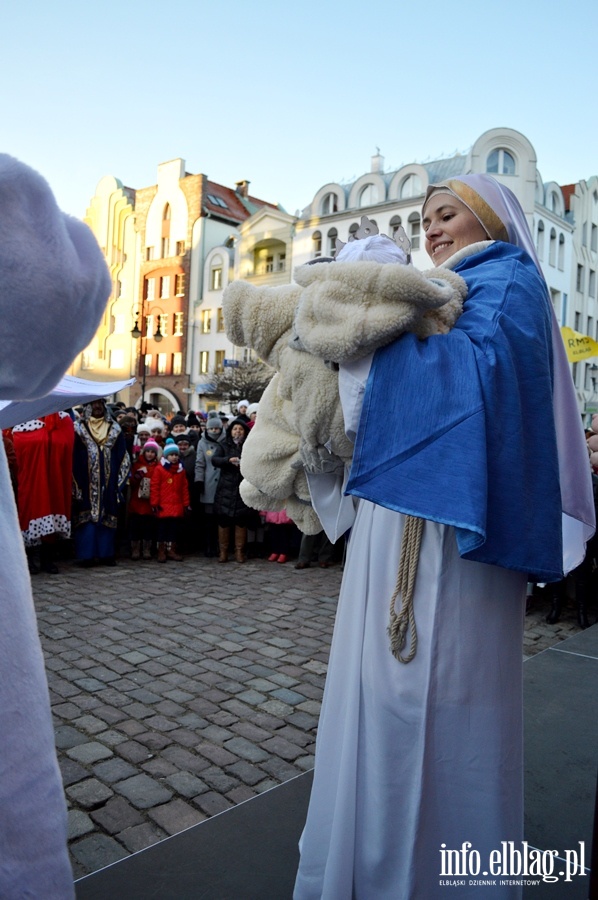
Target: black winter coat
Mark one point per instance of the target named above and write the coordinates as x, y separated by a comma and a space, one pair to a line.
227, 501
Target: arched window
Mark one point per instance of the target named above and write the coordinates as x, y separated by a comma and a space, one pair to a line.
414, 230
167, 213
394, 225
353, 228
501, 162
554, 202
317, 243
561, 262
332, 236
329, 204
540, 240
368, 195
411, 187
552, 248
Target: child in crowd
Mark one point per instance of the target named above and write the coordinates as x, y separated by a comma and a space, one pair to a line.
280, 534
142, 524
169, 498
143, 435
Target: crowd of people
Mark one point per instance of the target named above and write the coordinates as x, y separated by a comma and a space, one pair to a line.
113, 481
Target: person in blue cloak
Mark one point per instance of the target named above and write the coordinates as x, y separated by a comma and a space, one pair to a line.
470, 470
101, 467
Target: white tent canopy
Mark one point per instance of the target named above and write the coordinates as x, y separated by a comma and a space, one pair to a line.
69, 392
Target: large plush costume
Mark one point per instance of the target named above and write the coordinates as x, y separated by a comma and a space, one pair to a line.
368, 304
413, 758
101, 467
51, 272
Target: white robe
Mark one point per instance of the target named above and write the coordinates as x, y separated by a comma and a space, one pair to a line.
413, 757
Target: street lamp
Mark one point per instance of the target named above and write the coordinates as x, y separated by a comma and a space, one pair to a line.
137, 334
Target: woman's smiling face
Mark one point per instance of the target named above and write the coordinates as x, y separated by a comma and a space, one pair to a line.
449, 226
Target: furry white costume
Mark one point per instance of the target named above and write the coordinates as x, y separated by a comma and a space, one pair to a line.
51, 272
335, 313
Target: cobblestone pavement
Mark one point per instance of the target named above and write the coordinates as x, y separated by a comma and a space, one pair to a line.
181, 690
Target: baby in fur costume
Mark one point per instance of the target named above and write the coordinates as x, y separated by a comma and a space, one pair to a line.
336, 312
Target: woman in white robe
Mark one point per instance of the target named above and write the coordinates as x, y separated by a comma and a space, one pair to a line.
51, 272
416, 759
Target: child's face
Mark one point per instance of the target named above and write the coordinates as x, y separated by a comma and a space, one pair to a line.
172, 457
150, 454
143, 436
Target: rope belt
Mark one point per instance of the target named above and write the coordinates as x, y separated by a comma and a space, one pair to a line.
405, 585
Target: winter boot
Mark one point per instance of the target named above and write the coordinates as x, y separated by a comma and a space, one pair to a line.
240, 544
135, 549
162, 552
46, 558
147, 550
171, 553
223, 542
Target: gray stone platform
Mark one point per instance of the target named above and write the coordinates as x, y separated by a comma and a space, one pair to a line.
181, 690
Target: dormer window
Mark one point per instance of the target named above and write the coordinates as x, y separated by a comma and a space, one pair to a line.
500, 162
411, 187
329, 204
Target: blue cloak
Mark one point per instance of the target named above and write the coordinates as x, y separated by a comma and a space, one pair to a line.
459, 428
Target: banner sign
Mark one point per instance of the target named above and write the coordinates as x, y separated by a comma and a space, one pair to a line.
578, 346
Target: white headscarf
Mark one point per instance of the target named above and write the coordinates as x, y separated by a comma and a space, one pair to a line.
489, 200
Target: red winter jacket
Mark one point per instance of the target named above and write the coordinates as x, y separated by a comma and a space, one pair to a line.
169, 491
141, 469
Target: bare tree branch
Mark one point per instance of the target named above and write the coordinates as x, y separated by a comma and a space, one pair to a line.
247, 381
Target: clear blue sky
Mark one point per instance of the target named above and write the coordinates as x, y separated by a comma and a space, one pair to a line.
293, 95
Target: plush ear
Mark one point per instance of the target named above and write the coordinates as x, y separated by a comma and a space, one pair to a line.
260, 317
593, 442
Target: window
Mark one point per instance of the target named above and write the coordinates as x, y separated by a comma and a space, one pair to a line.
592, 284
394, 225
414, 230
269, 264
87, 359
561, 262
220, 325
329, 204
166, 214
165, 287
584, 234
119, 324
177, 363
148, 363
353, 228
165, 247
281, 262
216, 278
206, 320
180, 248
594, 239
219, 364
163, 320
579, 280
116, 359
179, 285
540, 241
149, 254
368, 195
178, 324
204, 358
411, 187
577, 321
162, 363
332, 236
552, 248
149, 326
501, 162
317, 243
150, 289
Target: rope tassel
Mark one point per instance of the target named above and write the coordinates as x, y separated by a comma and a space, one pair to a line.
405, 585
